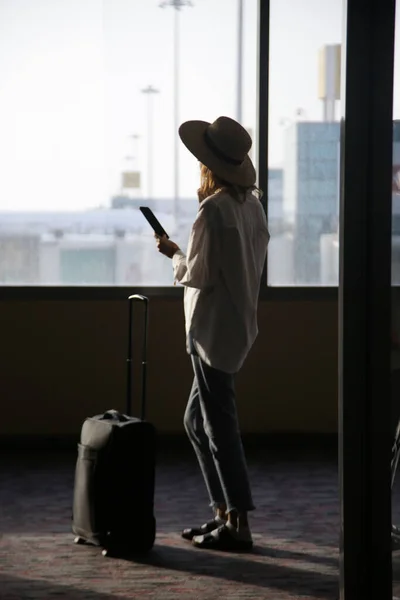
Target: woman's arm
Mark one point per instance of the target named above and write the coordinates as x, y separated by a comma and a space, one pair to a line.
199, 268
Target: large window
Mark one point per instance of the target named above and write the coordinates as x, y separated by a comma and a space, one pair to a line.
395, 357
91, 94
396, 157
304, 133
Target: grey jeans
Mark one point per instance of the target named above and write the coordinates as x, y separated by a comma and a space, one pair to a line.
212, 426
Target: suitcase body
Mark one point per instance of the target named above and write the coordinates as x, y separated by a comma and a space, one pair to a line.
113, 502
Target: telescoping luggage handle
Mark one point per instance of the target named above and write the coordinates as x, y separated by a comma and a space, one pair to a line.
145, 301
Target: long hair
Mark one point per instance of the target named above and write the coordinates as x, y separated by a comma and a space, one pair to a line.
210, 183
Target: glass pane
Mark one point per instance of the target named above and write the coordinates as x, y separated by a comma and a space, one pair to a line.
304, 113
90, 99
395, 395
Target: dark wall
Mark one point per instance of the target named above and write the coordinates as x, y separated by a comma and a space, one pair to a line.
62, 361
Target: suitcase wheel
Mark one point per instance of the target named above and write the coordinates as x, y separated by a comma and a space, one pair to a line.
79, 540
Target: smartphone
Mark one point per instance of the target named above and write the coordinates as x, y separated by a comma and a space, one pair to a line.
153, 221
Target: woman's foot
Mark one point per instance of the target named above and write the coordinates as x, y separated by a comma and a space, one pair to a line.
189, 534
227, 538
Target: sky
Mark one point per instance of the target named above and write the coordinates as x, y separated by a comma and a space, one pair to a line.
72, 74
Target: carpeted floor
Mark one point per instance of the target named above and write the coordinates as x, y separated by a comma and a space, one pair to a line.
295, 528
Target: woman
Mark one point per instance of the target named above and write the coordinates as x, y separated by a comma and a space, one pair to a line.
221, 274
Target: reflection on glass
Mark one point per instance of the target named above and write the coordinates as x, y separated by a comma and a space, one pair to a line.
91, 93
395, 358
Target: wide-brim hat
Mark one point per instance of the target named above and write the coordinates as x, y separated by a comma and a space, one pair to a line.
223, 147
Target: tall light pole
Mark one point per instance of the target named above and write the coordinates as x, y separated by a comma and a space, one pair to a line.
239, 96
177, 5
150, 91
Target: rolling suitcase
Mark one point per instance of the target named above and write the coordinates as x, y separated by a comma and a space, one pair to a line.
113, 502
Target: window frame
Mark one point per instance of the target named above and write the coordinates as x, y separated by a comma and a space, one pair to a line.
267, 292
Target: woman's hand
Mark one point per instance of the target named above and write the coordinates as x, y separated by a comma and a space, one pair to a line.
165, 246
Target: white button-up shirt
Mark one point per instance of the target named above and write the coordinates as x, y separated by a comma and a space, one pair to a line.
221, 274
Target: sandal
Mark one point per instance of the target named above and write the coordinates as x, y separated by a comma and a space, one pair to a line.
189, 534
222, 539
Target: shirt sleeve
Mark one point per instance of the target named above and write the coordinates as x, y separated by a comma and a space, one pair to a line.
199, 268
